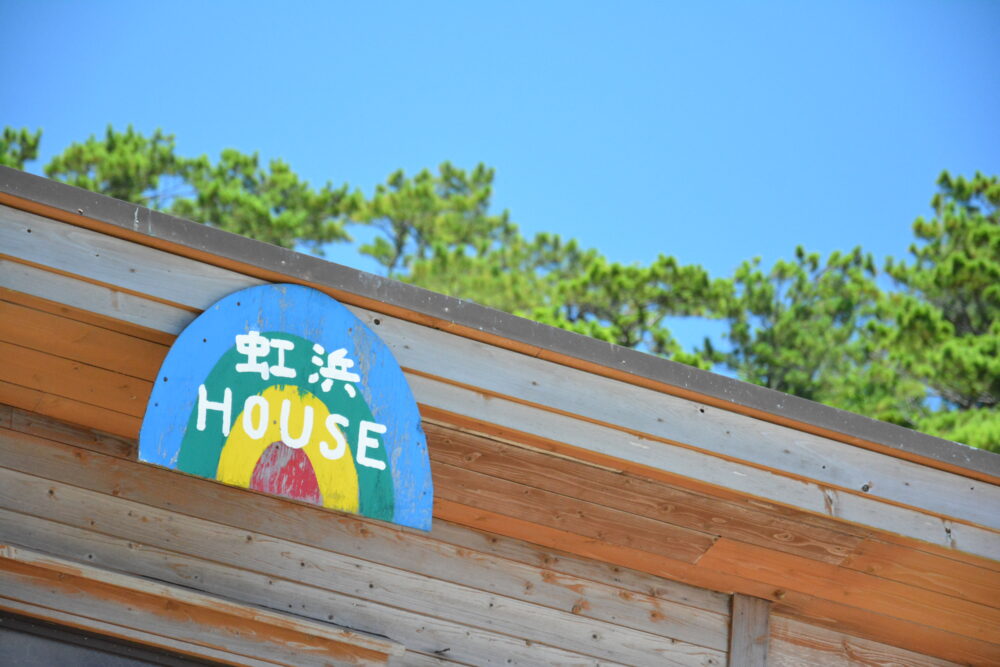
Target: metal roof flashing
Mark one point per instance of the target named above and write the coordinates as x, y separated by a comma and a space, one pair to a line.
23, 190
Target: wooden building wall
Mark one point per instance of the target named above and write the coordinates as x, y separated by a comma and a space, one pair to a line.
562, 529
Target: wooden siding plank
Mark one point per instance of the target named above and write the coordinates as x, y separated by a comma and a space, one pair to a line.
678, 420
86, 316
261, 507
857, 621
633, 494
190, 616
347, 575
929, 571
794, 644
350, 642
424, 633
563, 540
628, 581
285, 514
108, 260
575, 516
68, 410
749, 633
666, 417
646, 612
74, 380
916, 637
96, 298
102, 627
86, 343
854, 588
685, 462
33, 423
514, 550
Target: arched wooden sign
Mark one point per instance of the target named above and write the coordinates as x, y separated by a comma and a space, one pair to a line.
281, 389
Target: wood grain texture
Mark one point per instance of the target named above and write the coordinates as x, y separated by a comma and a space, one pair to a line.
568, 587
749, 632
79, 341
581, 600
836, 615
74, 380
108, 260
768, 486
671, 419
552, 510
855, 588
637, 495
349, 576
69, 410
98, 626
651, 606
929, 571
86, 316
794, 643
32, 423
627, 581
104, 301
84, 590
426, 634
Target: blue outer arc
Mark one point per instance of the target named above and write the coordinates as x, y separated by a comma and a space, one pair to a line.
308, 313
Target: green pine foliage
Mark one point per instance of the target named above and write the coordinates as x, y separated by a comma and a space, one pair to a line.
271, 204
925, 354
942, 327
18, 147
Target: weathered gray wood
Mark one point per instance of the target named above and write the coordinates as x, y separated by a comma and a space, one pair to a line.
427, 634
115, 262
95, 298
32, 423
749, 634
343, 574
794, 643
581, 571
679, 420
631, 581
198, 285
866, 510
129, 634
409, 550
89, 591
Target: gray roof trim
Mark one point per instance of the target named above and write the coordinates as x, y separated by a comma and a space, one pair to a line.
308, 268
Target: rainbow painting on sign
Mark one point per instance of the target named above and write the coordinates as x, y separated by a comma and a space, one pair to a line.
281, 389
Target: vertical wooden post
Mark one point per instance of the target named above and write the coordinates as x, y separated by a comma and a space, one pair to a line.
748, 632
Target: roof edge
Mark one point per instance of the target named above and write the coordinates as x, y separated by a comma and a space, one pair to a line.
554, 344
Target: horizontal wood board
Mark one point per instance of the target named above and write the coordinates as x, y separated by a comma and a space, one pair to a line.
89, 469
154, 608
794, 644
522, 607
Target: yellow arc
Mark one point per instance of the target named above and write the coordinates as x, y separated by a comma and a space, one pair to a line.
338, 480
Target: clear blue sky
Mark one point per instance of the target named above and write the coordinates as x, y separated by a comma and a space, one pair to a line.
710, 132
